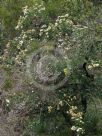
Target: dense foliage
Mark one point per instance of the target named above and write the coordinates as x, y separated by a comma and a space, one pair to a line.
66, 33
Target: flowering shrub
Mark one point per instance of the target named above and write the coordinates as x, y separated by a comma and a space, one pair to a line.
35, 25
54, 117
73, 41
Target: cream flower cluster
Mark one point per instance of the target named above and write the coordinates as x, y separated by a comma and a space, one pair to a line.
68, 104
57, 31
36, 10
62, 23
93, 65
74, 113
77, 118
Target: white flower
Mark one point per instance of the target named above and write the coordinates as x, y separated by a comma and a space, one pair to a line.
43, 8
61, 103
44, 26
69, 22
41, 30
64, 95
50, 109
67, 48
59, 46
81, 122
90, 67
24, 36
67, 112
74, 107
16, 27
21, 42
7, 100
60, 40
33, 30
56, 24
49, 28
25, 10
95, 65
18, 47
66, 15
40, 34
79, 129
73, 128
60, 21
8, 45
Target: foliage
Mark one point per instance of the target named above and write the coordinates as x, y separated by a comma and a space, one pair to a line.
10, 11
72, 28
